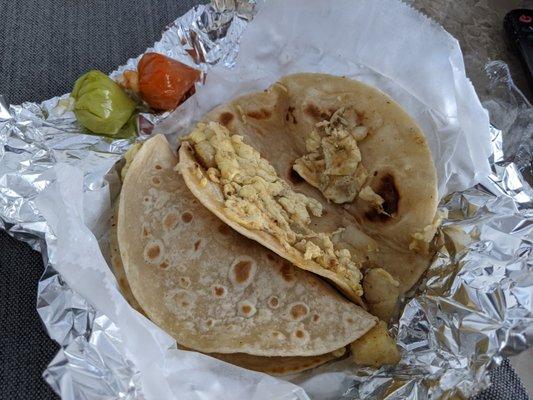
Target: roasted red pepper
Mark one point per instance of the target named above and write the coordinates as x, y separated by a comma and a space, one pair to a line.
165, 83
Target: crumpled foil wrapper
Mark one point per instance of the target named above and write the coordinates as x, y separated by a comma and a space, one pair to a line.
474, 305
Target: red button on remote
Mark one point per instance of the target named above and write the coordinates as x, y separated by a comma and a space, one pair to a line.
526, 19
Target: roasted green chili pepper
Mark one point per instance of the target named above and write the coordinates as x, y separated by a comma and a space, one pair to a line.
101, 106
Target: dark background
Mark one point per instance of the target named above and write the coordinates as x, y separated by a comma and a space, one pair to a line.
44, 47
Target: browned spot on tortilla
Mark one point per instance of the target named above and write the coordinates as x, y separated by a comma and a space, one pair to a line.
157, 166
185, 303
186, 217
316, 317
290, 115
145, 231
388, 191
299, 334
209, 323
313, 111
273, 302
225, 118
350, 320
224, 229
311, 281
242, 271
291, 110
156, 181
419, 139
170, 221
263, 113
219, 291
184, 282
360, 115
146, 199
163, 265
277, 334
246, 309
287, 271
153, 252
299, 311
294, 176
197, 244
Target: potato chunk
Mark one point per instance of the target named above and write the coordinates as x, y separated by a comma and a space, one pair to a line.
381, 293
375, 348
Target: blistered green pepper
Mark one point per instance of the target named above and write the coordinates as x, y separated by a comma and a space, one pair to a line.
101, 105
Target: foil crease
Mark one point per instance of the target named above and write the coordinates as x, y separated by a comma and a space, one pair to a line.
65, 313
92, 365
474, 305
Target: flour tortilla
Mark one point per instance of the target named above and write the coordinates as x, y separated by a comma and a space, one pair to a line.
278, 366
213, 290
211, 196
277, 122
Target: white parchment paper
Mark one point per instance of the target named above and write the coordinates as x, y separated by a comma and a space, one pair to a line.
384, 43
166, 373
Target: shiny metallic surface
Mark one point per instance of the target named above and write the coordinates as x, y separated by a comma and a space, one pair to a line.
474, 305
94, 367
33, 138
64, 312
475, 302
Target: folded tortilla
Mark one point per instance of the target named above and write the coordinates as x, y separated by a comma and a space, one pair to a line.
336, 141
214, 290
277, 366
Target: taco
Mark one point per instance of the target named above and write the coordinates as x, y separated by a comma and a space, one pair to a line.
270, 365
216, 291
327, 172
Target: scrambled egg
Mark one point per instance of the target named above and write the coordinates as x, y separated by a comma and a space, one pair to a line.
421, 239
333, 163
256, 198
381, 293
368, 195
375, 348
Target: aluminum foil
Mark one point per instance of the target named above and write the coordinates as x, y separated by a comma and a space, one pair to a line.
474, 305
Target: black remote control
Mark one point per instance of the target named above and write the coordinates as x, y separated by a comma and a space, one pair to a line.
518, 25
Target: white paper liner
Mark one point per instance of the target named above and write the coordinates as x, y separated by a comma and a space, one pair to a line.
55, 185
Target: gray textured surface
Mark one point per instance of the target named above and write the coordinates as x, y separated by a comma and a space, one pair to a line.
478, 25
46, 45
